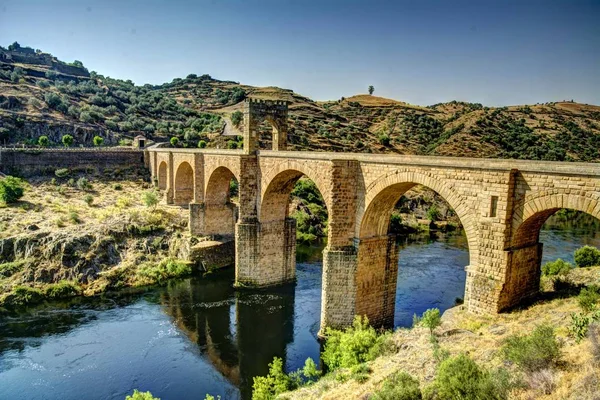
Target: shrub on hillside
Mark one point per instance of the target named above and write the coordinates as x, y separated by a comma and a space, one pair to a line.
587, 256
535, 351
237, 118
398, 386
589, 297
137, 395
557, 267
353, 346
52, 99
431, 319
150, 198
89, 199
62, 289
61, 172
174, 141
202, 144
461, 378
98, 140
277, 381
67, 140
11, 189
166, 269
83, 184
43, 141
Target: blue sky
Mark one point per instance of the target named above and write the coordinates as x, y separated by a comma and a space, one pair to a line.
423, 52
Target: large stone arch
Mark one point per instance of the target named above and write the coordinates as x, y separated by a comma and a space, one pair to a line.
377, 253
394, 185
219, 212
162, 175
257, 111
184, 184
524, 254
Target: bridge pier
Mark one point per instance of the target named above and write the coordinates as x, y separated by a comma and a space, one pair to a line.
523, 276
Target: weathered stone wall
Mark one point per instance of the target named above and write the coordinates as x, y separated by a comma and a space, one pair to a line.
213, 255
33, 162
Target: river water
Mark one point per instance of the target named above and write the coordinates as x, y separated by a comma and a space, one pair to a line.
199, 336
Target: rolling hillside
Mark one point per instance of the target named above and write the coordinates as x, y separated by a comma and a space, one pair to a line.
40, 95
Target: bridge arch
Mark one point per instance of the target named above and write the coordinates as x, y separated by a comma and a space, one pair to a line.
523, 272
184, 184
377, 252
219, 211
162, 175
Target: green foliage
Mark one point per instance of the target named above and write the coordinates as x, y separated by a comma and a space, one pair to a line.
10, 268
587, 256
234, 188
174, 141
461, 378
74, 217
535, 351
231, 144
237, 117
150, 198
89, 199
44, 141
276, 382
398, 386
22, 296
557, 267
371, 89
11, 189
210, 397
61, 172
581, 322
52, 99
98, 140
62, 289
165, 270
589, 297
137, 395
83, 184
360, 372
202, 144
384, 139
433, 213
67, 140
355, 345
431, 319
117, 186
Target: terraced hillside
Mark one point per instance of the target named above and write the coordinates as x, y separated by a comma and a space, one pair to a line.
40, 95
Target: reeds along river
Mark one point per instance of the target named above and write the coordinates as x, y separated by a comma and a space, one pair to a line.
199, 336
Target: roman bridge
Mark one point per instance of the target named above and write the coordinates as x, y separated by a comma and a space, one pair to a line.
502, 205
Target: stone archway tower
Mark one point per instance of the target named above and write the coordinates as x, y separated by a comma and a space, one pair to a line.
256, 111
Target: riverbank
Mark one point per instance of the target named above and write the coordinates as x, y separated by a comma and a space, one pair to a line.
575, 376
83, 234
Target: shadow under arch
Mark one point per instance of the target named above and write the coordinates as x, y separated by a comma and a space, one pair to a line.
162, 175
220, 214
184, 184
377, 252
523, 273
277, 229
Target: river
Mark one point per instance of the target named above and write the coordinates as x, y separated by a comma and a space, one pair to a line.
199, 336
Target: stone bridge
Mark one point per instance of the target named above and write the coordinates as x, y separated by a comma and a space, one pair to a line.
502, 204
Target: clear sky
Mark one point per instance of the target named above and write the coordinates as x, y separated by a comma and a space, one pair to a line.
422, 52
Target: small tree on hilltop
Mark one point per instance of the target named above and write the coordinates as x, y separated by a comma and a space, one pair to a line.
67, 140
371, 89
44, 141
98, 141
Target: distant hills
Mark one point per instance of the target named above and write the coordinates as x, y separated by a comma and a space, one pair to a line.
40, 95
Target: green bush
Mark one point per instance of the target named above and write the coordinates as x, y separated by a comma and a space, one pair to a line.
433, 213
137, 395
431, 319
581, 322
74, 217
557, 267
237, 118
10, 268
174, 141
62, 289
355, 345
587, 256
89, 199
67, 140
61, 172
11, 189
98, 140
535, 351
166, 269
150, 198
461, 378
384, 139
22, 295
117, 186
83, 184
202, 144
398, 386
44, 141
588, 298
276, 382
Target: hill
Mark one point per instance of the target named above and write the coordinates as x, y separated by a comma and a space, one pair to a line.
40, 95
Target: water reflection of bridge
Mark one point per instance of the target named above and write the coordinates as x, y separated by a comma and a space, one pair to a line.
204, 309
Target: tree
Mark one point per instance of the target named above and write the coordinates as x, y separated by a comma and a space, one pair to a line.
11, 189
237, 118
44, 141
14, 47
174, 141
371, 89
67, 140
150, 199
98, 141
202, 144
52, 99
77, 63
